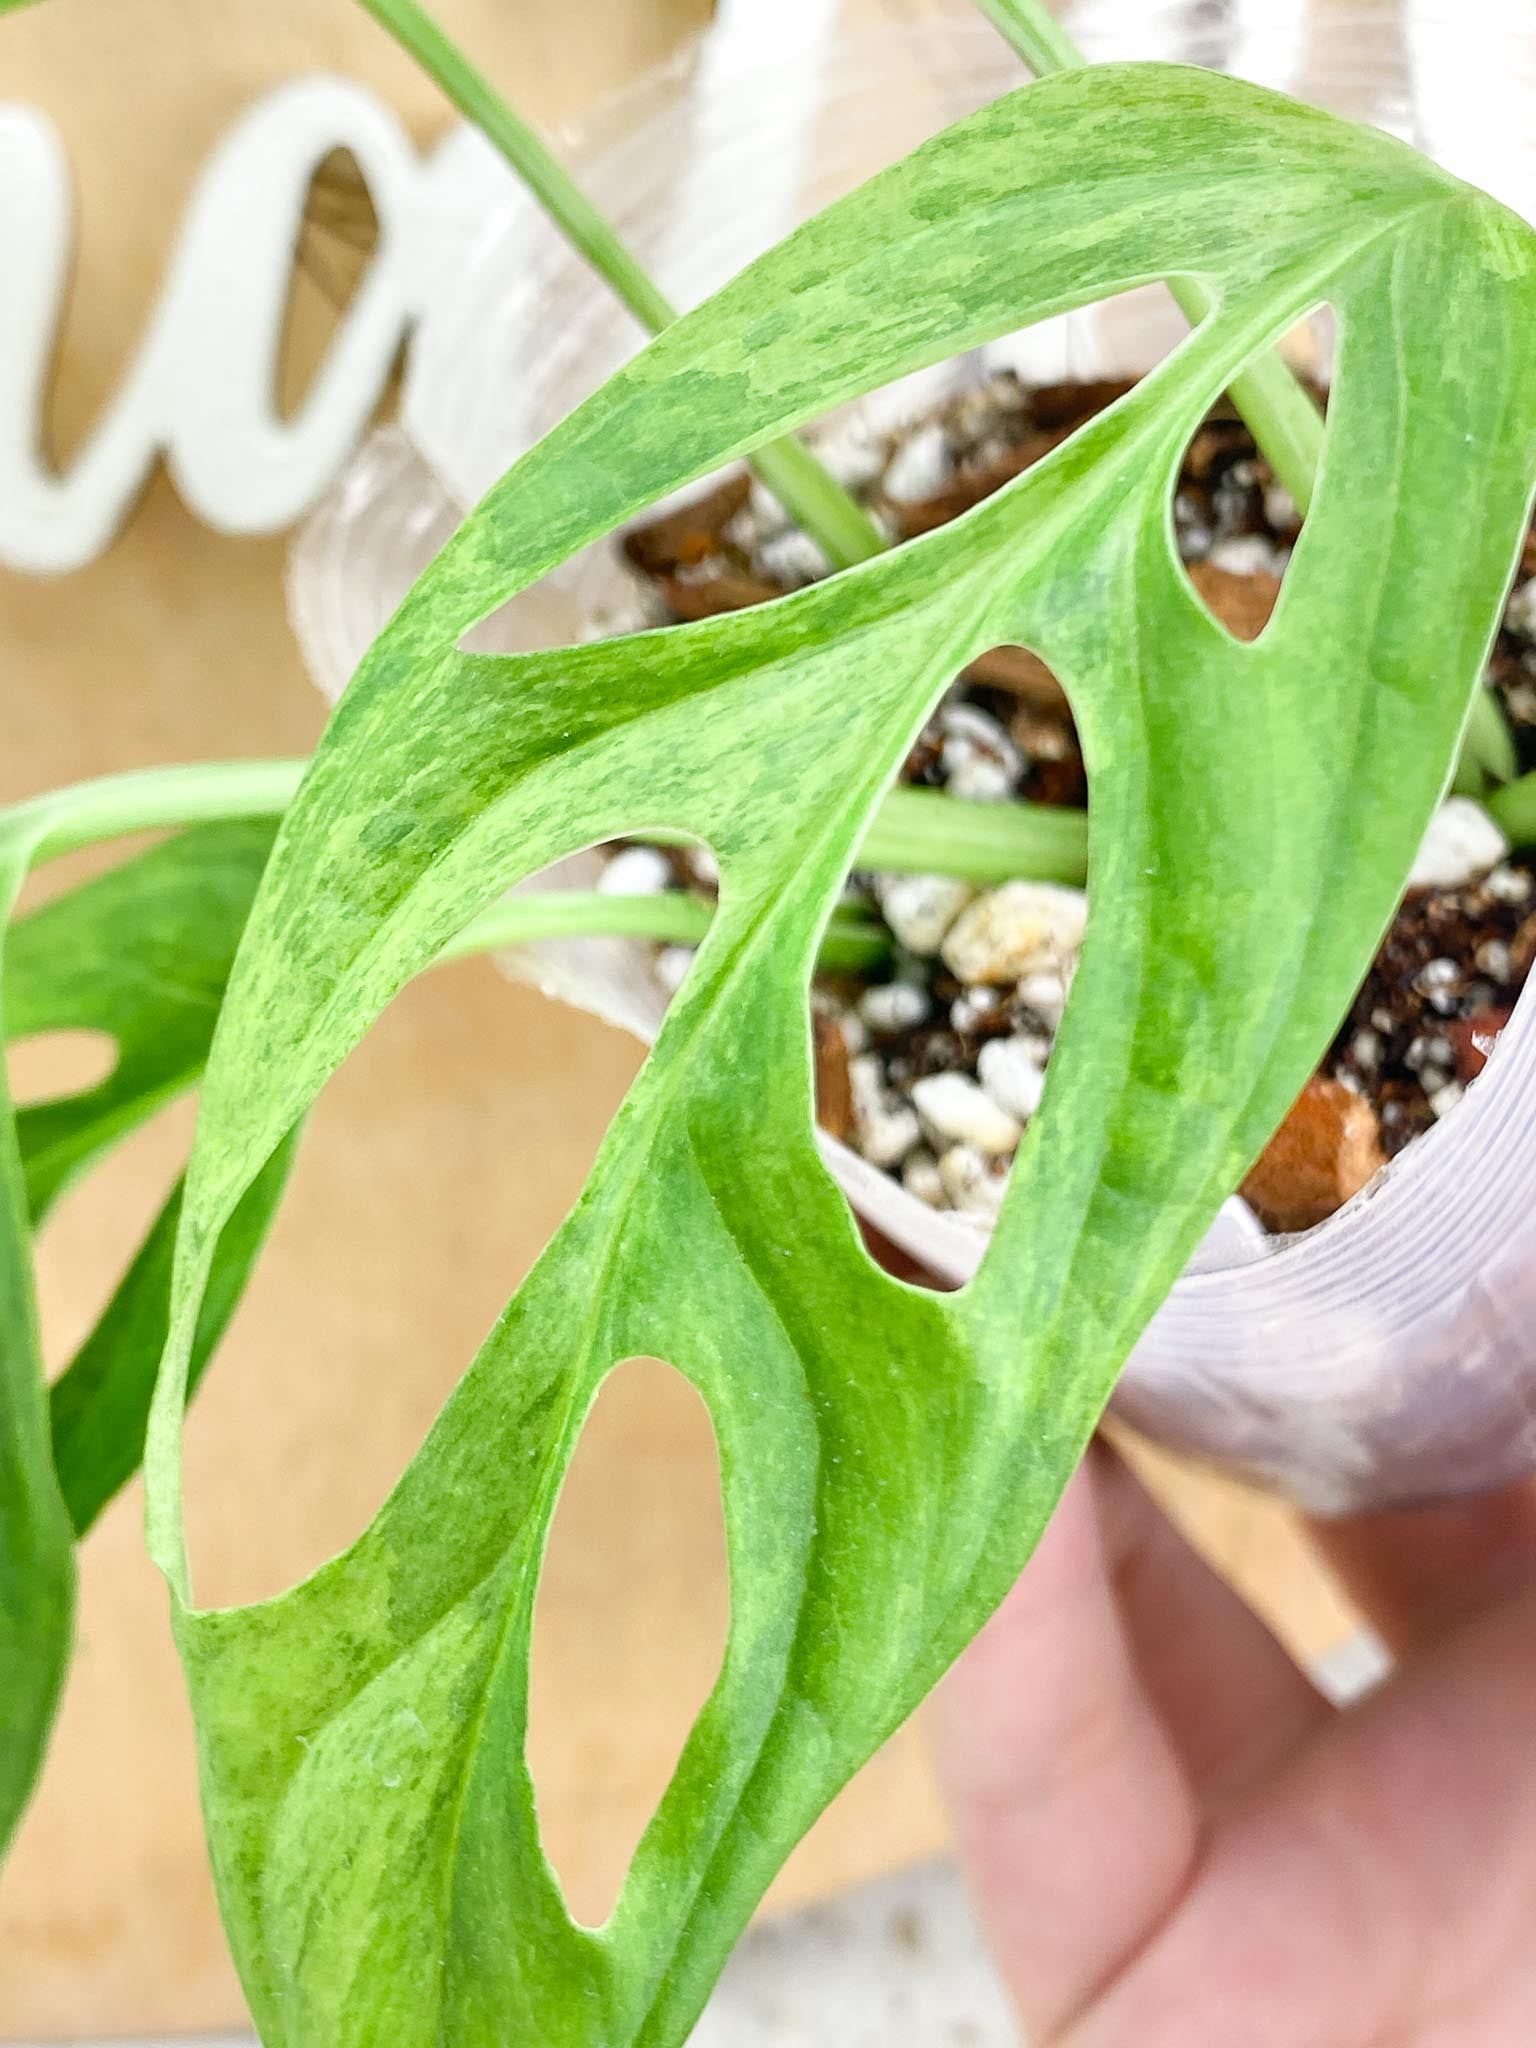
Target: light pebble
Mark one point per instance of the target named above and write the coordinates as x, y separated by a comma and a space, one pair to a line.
885, 1132
793, 557
853, 454
893, 1006
957, 1111
1045, 992
921, 908
672, 965
636, 871
1280, 507
970, 1006
977, 777
1509, 885
1445, 1099
1462, 843
1520, 612
767, 511
1246, 554
971, 1183
919, 468
703, 866
1011, 931
855, 1031
920, 1176
1012, 1071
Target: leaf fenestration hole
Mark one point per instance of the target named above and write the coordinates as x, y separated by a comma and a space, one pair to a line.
1235, 523
337, 241
630, 1625
435, 1165
54, 1065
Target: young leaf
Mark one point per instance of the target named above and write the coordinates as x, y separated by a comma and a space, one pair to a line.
888, 1458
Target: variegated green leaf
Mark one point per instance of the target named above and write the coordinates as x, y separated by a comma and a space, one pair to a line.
888, 1458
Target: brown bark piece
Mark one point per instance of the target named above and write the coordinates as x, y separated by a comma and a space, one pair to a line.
1326, 1151
691, 534
1244, 604
834, 1089
1022, 675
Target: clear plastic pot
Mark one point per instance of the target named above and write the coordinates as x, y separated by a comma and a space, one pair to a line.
1389, 1354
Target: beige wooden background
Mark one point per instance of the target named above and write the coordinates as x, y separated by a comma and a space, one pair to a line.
440, 1160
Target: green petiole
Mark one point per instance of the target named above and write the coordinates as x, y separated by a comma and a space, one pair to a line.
915, 831
1513, 810
672, 917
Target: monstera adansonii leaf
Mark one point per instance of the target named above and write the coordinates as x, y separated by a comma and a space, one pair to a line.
888, 1456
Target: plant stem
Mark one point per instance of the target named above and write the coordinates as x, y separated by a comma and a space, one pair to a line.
1513, 810
154, 799
673, 917
1036, 34
829, 514
1488, 751
923, 831
915, 831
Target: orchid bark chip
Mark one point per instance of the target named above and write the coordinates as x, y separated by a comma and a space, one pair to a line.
888, 1457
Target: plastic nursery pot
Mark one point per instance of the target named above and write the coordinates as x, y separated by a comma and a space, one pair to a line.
1385, 1355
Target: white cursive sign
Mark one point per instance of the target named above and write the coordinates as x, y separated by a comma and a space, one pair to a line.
201, 388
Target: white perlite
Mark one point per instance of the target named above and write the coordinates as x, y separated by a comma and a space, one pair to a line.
980, 760
1247, 554
921, 908
672, 965
1462, 843
1520, 613
636, 871
1045, 992
1012, 1072
886, 1131
919, 468
921, 1177
957, 1112
1014, 930
971, 1182
893, 1005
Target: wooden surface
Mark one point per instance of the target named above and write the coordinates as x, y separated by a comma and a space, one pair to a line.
440, 1160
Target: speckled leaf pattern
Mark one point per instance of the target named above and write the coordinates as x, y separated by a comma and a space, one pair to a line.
888, 1457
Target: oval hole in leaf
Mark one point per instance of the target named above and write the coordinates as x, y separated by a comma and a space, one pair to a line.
630, 1626
1234, 524
435, 1165
1002, 742
54, 1065
337, 241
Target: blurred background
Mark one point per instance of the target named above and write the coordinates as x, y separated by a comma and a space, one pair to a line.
450, 1146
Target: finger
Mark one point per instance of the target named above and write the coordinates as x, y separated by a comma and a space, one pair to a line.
1380, 1887
1071, 1811
1419, 1573
1231, 1697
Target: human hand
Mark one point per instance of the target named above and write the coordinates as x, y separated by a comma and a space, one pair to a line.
1176, 1842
